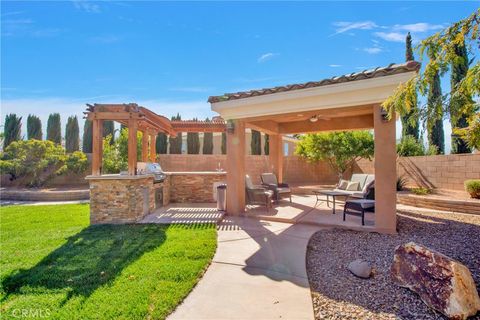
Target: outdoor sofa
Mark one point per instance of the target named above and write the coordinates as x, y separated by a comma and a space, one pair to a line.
359, 186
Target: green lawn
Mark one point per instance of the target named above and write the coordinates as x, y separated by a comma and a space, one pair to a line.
53, 263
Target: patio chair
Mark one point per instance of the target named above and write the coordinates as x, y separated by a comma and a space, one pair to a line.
257, 194
269, 180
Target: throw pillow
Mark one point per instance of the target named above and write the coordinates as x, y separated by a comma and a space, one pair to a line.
342, 185
353, 186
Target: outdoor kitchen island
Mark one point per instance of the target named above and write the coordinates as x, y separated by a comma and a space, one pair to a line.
116, 199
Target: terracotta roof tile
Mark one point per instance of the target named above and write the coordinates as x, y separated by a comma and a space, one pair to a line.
365, 74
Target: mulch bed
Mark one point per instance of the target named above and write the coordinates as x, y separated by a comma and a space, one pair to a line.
337, 294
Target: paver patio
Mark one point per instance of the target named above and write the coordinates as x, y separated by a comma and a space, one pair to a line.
258, 272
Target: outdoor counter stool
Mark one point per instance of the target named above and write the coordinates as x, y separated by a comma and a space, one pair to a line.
358, 207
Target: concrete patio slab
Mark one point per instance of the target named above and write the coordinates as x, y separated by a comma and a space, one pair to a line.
259, 269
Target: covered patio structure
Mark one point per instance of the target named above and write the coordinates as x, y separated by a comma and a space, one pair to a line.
349, 102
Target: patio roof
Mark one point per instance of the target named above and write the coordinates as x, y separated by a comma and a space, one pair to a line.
391, 69
326, 99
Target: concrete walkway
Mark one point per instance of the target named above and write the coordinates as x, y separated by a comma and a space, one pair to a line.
258, 272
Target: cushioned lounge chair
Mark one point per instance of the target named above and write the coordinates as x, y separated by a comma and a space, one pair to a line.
257, 194
280, 190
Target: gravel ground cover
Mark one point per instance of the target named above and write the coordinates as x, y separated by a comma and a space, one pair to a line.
337, 294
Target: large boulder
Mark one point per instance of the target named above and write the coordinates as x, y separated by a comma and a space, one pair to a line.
442, 283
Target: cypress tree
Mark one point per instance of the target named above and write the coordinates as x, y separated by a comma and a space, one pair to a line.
34, 127
207, 141
256, 143
54, 128
435, 112
176, 141
224, 143
72, 135
410, 123
87, 137
266, 147
11, 129
161, 143
458, 118
109, 128
193, 142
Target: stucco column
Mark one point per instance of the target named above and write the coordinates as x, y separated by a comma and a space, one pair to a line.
97, 146
385, 173
132, 146
275, 155
236, 168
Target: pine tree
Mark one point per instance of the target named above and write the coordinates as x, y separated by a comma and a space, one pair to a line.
54, 128
224, 143
109, 128
458, 118
266, 147
34, 127
207, 141
193, 142
435, 113
256, 143
87, 137
161, 143
72, 135
176, 141
11, 129
410, 123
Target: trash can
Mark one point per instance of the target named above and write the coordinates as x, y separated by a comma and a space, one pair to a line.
222, 197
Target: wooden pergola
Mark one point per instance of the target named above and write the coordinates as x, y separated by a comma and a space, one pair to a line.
137, 118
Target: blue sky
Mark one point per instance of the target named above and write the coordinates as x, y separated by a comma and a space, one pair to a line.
57, 56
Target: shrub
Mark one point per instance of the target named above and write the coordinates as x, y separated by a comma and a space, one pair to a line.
72, 140
34, 127
339, 149
421, 191
410, 147
115, 156
38, 161
54, 129
11, 129
473, 188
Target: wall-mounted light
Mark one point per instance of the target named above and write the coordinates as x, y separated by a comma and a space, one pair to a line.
384, 115
230, 126
314, 118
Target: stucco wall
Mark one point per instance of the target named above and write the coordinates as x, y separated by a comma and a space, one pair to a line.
442, 171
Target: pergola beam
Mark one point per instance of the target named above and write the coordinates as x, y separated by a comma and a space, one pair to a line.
334, 124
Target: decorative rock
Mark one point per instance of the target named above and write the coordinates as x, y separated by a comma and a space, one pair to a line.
360, 268
442, 283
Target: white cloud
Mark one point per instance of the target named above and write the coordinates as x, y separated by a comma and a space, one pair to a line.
418, 27
266, 56
334, 65
391, 36
344, 26
86, 6
373, 50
